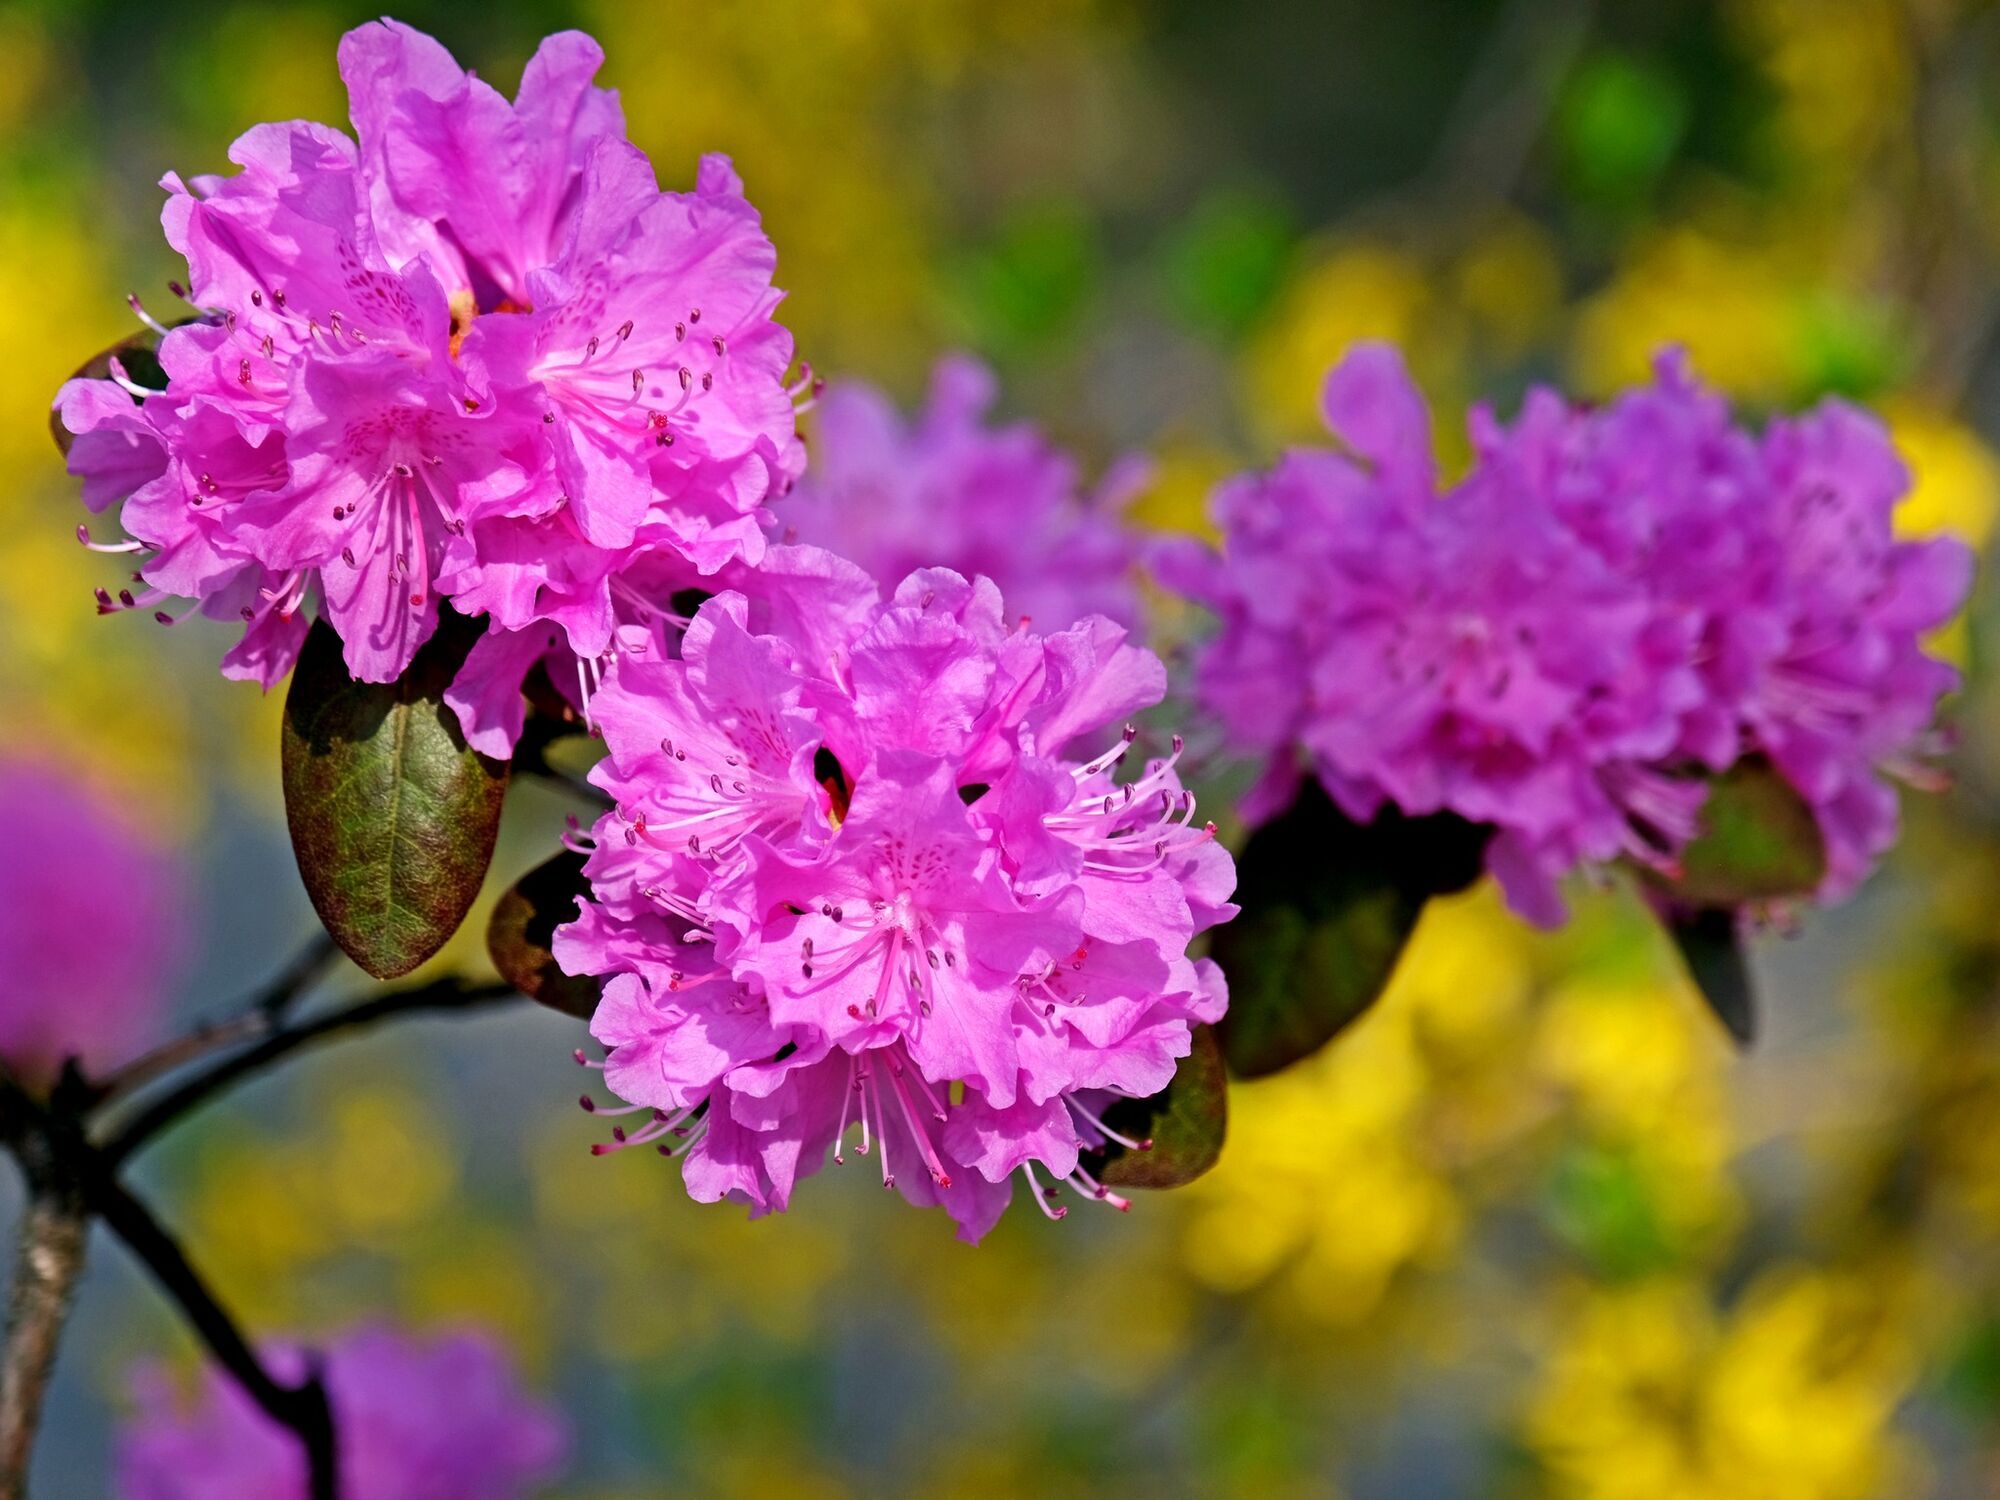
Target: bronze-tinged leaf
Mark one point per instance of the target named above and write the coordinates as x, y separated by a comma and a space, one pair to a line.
393, 816
522, 929
1759, 841
138, 356
1185, 1122
1711, 944
1327, 907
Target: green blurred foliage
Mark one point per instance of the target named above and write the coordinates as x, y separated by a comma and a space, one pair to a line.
1221, 266
1620, 121
1028, 288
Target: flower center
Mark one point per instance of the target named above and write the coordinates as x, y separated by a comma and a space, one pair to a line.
465, 307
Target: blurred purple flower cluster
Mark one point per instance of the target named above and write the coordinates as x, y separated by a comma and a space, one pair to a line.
945, 489
1613, 602
857, 878
90, 924
437, 1418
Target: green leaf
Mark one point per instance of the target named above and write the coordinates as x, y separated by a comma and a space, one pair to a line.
392, 815
1711, 944
137, 356
1759, 841
1327, 906
1185, 1122
523, 925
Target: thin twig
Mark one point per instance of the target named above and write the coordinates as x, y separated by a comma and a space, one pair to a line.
531, 757
302, 1408
254, 1017
1504, 106
439, 995
1488, 137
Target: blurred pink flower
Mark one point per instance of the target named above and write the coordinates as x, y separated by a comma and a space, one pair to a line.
434, 1418
1611, 602
90, 921
946, 489
1772, 570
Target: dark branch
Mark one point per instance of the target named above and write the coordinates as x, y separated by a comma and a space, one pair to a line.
303, 1408
255, 1016
70, 1179
451, 994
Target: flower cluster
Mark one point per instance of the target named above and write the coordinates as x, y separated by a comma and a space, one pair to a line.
89, 925
1612, 602
946, 490
439, 1418
855, 880
474, 352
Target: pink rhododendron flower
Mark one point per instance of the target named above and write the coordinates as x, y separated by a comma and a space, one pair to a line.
1778, 553
858, 893
945, 489
1613, 601
89, 923
476, 353
648, 592
434, 1418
